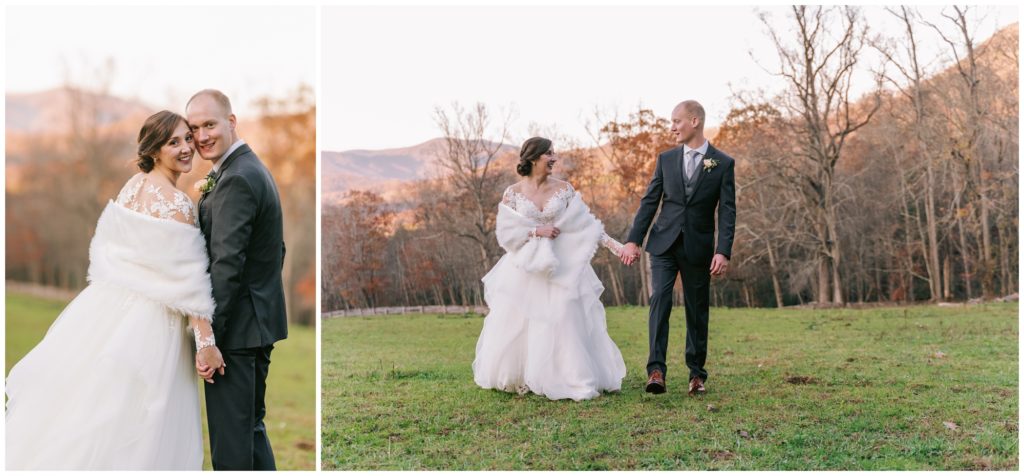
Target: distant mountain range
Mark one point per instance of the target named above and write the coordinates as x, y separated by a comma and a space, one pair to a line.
50, 111
49, 116
383, 171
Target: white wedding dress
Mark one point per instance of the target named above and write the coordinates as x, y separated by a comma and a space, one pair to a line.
113, 385
546, 331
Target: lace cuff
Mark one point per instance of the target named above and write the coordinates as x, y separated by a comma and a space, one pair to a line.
203, 342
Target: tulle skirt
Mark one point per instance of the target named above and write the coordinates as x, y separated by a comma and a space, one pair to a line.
111, 386
543, 338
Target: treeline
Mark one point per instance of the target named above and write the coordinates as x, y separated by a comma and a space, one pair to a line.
908, 193
59, 183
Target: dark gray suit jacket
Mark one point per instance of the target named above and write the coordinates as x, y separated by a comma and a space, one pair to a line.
694, 214
242, 222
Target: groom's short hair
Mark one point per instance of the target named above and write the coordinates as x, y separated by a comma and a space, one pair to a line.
694, 109
220, 98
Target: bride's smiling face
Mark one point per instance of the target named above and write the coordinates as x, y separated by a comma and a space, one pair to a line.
545, 164
548, 161
175, 156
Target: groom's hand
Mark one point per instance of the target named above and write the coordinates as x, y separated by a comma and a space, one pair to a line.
719, 264
630, 252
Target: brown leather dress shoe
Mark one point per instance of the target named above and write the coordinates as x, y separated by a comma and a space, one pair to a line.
656, 382
696, 386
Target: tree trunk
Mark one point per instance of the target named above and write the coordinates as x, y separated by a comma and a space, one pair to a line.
1004, 259
966, 255
988, 268
775, 276
645, 279
823, 280
837, 282
947, 278
935, 284
616, 286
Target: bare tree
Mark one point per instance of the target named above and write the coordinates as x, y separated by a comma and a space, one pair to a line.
819, 68
911, 85
471, 148
967, 148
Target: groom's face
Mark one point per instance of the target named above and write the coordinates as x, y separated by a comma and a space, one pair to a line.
212, 127
683, 125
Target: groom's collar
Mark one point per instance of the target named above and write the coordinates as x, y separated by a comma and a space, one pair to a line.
220, 162
703, 149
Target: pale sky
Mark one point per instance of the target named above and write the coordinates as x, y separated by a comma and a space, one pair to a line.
385, 69
162, 55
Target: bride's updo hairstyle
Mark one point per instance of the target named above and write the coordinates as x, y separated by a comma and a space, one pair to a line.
156, 131
533, 148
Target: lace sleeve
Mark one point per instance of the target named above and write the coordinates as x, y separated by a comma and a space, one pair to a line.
611, 244
167, 203
567, 192
508, 198
126, 197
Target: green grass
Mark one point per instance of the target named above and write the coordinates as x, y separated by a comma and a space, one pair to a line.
398, 394
291, 385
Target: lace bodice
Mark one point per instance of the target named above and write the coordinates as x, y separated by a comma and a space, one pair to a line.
545, 215
550, 211
166, 203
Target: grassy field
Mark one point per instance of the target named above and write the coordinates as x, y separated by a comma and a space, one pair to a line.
920, 388
291, 386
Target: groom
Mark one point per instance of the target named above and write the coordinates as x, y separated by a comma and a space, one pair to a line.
690, 182
240, 216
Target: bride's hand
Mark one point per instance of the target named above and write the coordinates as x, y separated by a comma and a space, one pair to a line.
547, 231
205, 371
213, 360
629, 253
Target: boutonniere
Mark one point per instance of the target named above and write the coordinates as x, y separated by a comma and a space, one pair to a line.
206, 184
710, 164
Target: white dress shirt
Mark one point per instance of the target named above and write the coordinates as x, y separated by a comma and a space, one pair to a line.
701, 152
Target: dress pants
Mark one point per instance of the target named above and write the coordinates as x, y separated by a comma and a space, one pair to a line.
235, 409
696, 298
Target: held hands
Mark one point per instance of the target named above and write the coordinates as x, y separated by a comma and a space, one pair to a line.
208, 361
546, 231
629, 253
719, 264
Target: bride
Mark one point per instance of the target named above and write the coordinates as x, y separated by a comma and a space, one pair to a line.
112, 384
546, 330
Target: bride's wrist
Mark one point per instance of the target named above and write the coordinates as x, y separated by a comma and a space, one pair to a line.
203, 342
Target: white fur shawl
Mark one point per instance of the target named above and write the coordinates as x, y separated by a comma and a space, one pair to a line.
560, 259
163, 260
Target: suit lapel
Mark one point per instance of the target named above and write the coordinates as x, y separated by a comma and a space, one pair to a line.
202, 198
244, 148
680, 167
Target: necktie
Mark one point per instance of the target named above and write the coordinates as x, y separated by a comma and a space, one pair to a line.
691, 163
